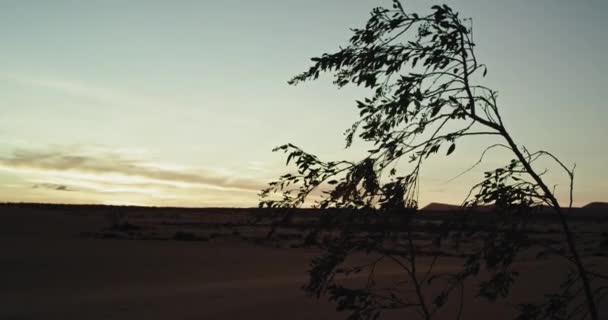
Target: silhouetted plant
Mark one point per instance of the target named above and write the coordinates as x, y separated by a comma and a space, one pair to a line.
117, 219
423, 74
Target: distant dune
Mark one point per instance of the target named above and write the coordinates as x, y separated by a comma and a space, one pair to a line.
437, 206
597, 206
445, 207
592, 208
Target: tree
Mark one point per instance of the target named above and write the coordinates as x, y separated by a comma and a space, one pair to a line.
423, 76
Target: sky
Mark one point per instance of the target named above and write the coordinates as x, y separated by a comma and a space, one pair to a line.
179, 103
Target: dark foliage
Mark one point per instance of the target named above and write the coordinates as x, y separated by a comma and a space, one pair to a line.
422, 73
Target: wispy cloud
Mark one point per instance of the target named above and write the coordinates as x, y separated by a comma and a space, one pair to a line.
114, 171
108, 96
73, 88
52, 186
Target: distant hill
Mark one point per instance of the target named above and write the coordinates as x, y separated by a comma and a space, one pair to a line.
597, 206
445, 207
437, 206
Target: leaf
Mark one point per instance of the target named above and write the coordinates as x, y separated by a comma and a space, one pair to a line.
451, 149
436, 110
289, 157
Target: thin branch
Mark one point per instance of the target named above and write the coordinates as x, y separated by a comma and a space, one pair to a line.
479, 161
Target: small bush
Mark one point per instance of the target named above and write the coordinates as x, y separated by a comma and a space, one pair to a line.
117, 219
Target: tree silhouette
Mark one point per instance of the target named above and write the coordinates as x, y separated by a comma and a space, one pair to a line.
423, 76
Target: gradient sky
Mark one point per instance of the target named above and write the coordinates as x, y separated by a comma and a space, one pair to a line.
180, 102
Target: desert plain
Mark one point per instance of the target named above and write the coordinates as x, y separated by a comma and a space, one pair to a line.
64, 262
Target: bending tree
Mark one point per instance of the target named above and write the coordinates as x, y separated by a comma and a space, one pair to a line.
425, 95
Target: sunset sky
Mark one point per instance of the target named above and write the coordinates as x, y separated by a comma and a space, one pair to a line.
179, 103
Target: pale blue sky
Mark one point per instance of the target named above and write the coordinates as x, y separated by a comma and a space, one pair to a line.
193, 94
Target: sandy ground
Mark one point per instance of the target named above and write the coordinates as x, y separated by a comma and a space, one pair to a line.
48, 272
